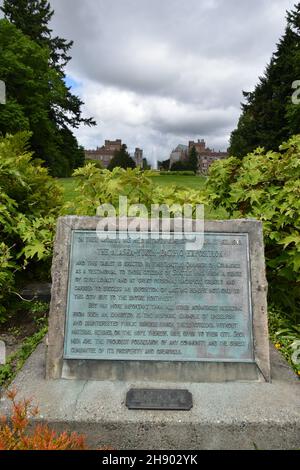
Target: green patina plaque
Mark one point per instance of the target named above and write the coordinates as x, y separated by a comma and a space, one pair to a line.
156, 300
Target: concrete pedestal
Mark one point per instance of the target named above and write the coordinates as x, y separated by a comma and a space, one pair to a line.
233, 415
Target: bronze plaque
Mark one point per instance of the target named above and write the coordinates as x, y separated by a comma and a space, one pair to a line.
159, 399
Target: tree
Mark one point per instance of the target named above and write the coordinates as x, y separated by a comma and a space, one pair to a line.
293, 108
12, 117
33, 18
180, 166
73, 154
268, 116
165, 165
193, 160
121, 159
24, 68
61, 109
146, 165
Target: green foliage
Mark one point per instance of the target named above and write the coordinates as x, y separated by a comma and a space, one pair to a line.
284, 334
29, 203
71, 154
146, 164
97, 163
268, 115
193, 159
30, 17
32, 65
266, 186
68, 186
183, 182
165, 165
24, 181
121, 159
180, 166
96, 187
16, 361
22, 66
189, 166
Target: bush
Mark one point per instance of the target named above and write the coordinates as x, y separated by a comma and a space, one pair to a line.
29, 204
121, 159
96, 163
285, 335
15, 432
266, 186
96, 187
180, 166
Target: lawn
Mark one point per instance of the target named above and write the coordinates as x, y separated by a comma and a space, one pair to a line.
68, 185
192, 182
188, 182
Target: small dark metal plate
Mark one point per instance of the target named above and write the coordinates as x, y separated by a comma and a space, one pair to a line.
159, 399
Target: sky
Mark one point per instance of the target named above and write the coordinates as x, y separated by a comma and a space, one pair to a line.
156, 73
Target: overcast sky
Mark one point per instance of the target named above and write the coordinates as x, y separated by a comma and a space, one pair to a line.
157, 73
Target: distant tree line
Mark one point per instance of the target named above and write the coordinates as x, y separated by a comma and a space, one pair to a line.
190, 164
121, 159
32, 64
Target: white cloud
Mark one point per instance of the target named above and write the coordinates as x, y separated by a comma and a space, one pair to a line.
156, 73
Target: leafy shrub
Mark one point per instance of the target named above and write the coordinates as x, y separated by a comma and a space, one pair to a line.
25, 180
29, 203
96, 187
97, 163
15, 433
285, 335
266, 186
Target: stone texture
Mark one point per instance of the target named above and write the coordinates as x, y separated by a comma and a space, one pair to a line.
234, 415
57, 367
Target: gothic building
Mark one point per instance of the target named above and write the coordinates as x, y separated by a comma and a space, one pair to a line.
105, 153
206, 156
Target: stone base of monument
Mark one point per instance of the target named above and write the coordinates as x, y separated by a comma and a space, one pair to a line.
239, 415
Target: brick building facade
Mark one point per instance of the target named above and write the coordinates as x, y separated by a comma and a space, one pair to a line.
206, 156
105, 153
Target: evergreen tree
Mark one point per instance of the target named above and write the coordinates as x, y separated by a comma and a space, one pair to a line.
180, 166
193, 160
24, 68
165, 164
61, 109
293, 109
121, 159
146, 165
268, 115
32, 17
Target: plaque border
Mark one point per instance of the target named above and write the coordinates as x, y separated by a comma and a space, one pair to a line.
57, 367
219, 360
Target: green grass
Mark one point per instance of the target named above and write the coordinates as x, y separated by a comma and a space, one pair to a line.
186, 182
68, 184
